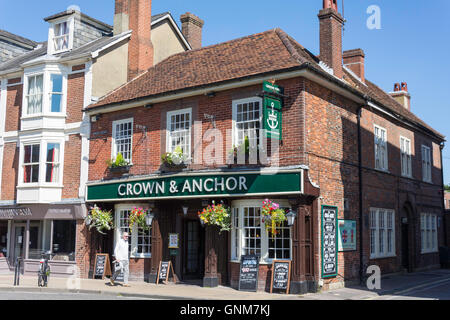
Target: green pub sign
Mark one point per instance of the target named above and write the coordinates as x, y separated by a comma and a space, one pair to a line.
273, 115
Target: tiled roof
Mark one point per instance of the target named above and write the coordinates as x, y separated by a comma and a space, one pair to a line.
14, 37
253, 55
18, 61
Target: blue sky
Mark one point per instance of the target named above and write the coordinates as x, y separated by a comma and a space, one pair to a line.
412, 45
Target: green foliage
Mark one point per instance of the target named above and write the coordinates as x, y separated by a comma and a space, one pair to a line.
118, 162
137, 219
175, 158
217, 215
446, 187
100, 219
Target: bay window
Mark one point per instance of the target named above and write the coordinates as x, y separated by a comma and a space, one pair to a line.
140, 241
56, 94
34, 94
31, 163
179, 125
52, 163
249, 235
428, 227
382, 233
123, 139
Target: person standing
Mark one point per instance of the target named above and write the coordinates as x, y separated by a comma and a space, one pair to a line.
121, 255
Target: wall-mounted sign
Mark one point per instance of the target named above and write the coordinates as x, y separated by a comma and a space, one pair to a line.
272, 88
329, 242
347, 235
199, 186
14, 213
273, 118
173, 241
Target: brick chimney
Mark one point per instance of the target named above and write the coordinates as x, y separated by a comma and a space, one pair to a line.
401, 95
191, 26
136, 15
354, 60
331, 23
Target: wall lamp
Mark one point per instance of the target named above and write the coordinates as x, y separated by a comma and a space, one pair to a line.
149, 106
210, 94
96, 118
291, 215
149, 218
185, 210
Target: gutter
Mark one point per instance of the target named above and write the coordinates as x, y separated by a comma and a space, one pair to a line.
360, 187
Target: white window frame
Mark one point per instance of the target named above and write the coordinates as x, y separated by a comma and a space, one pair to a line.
374, 227
133, 236
42, 163
46, 71
386, 157
27, 95
235, 104
168, 132
114, 150
406, 157
237, 233
51, 34
426, 164
429, 233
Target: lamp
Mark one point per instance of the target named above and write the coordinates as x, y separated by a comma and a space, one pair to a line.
149, 218
185, 210
291, 215
88, 221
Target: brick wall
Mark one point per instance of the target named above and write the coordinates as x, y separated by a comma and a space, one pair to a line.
13, 105
10, 169
75, 97
72, 163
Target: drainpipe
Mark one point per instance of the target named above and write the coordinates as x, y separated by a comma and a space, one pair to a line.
361, 224
441, 147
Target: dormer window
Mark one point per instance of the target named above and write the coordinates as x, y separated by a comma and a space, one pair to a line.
61, 36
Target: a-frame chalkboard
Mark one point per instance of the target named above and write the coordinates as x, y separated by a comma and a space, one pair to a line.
102, 266
281, 275
248, 273
164, 272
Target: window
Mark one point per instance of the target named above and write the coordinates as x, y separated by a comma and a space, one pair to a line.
122, 139
179, 131
140, 242
61, 36
247, 115
428, 227
426, 163
31, 163
382, 233
52, 163
381, 158
249, 235
34, 94
405, 149
64, 235
56, 93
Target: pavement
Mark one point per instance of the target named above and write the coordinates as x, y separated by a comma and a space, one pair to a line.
395, 286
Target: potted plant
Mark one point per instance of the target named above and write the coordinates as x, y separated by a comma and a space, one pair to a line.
102, 220
272, 216
217, 215
119, 164
175, 160
137, 219
243, 148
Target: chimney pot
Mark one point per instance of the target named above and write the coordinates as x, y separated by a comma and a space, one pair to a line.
401, 95
396, 87
404, 86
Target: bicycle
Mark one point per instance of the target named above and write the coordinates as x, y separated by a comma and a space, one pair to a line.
44, 269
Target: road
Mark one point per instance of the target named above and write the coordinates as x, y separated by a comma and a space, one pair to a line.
61, 296
438, 291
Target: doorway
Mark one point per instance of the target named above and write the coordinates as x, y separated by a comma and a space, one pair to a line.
194, 247
405, 246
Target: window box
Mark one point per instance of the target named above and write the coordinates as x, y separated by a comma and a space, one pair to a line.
122, 169
166, 167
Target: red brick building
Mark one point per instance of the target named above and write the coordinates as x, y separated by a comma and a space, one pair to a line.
350, 159
44, 132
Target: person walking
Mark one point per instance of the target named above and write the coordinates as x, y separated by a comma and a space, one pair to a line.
121, 255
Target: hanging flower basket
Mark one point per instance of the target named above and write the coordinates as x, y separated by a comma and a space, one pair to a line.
272, 216
217, 215
137, 219
100, 219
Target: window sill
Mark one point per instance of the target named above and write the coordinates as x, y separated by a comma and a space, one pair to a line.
143, 256
58, 115
266, 262
382, 170
383, 257
37, 185
429, 252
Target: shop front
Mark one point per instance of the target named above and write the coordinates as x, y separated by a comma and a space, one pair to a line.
27, 231
199, 253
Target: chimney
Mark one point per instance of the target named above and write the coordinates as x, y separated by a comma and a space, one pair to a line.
331, 23
136, 15
191, 26
401, 95
354, 60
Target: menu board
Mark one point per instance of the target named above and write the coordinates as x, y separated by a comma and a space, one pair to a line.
248, 274
329, 241
281, 275
164, 272
102, 266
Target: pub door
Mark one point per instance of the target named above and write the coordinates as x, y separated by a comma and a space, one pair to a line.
194, 247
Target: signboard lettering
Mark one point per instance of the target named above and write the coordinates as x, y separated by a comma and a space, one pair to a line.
11, 213
248, 275
281, 275
164, 272
347, 235
102, 266
329, 241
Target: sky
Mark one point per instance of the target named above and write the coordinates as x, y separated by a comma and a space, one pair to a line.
411, 46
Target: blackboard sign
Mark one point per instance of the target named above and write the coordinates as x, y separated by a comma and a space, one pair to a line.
248, 274
281, 275
102, 266
329, 241
164, 272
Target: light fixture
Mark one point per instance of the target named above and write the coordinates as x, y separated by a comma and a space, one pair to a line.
149, 218
291, 215
88, 220
149, 106
205, 203
185, 210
